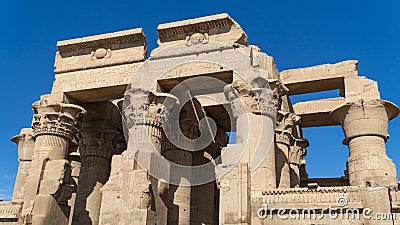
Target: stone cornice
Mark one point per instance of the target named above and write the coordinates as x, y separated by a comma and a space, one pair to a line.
102, 40
188, 27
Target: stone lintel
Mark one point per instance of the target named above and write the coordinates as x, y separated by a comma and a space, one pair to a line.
220, 27
317, 113
94, 85
319, 78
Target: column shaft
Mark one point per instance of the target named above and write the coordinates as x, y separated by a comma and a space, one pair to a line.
95, 148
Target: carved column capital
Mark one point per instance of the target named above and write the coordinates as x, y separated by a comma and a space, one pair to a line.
278, 90
57, 119
265, 101
365, 118
245, 99
97, 140
284, 137
25, 143
147, 108
285, 123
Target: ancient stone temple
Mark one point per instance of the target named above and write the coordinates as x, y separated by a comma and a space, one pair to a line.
127, 138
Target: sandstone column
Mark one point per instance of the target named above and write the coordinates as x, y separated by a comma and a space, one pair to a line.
242, 186
296, 154
149, 207
179, 207
25, 144
365, 125
54, 126
96, 149
75, 161
284, 140
131, 196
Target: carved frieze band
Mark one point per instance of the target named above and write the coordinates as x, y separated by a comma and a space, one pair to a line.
222, 24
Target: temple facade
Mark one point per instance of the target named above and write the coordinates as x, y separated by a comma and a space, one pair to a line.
103, 148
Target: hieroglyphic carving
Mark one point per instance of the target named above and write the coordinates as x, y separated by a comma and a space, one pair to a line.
285, 122
296, 155
194, 68
95, 78
79, 63
56, 181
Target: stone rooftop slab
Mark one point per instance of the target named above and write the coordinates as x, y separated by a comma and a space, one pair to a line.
319, 78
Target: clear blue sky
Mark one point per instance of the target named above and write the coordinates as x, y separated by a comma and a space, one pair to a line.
295, 33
